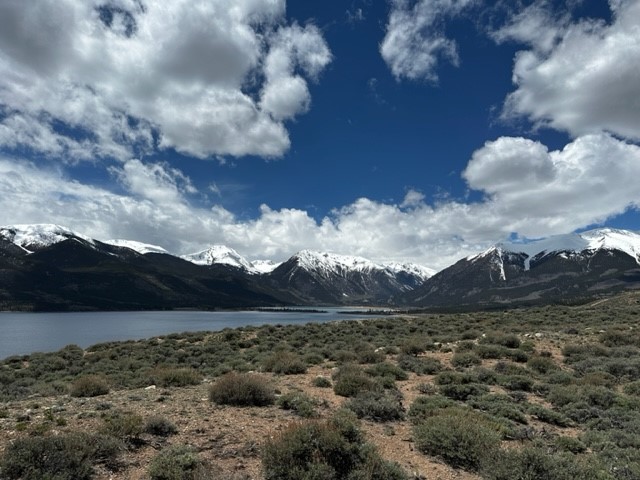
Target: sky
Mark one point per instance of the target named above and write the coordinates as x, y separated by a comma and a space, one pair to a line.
399, 130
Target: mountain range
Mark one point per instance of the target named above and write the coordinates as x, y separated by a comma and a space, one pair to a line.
565, 268
49, 267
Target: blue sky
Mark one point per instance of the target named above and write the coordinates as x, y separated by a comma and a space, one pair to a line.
405, 130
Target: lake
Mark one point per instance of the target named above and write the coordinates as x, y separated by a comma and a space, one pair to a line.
24, 333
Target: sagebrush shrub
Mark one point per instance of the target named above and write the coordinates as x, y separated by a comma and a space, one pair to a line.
461, 439
465, 359
420, 365
285, 363
124, 425
377, 406
68, 456
160, 426
463, 391
175, 377
179, 462
321, 382
298, 402
89, 386
534, 463
350, 380
333, 449
242, 389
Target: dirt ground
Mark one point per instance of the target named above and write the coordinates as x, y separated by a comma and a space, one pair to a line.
229, 437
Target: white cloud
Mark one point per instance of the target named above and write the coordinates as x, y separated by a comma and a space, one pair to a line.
587, 81
535, 25
540, 193
528, 189
112, 73
415, 42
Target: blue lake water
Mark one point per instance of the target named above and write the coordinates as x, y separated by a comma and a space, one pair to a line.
24, 333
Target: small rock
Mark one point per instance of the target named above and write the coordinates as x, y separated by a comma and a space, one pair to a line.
150, 387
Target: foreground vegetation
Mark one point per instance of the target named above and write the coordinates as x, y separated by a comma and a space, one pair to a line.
539, 393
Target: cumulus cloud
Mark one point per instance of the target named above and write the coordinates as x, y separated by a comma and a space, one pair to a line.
528, 189
578, 77
121, 78
535, 25
541, 192
415, 42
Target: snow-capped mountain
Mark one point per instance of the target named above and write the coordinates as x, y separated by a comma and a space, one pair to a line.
48, 267
221, 254
265, 266
559, 268
419, 271
32, 238
141, 248
327, 278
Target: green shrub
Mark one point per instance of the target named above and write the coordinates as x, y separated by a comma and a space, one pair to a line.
242, 389
570, 444
560, 378
328, 450
369, 355
549, 416
285, 363
321, 382
420, 365
541, 364
616, 338
538, 464
517, 355
159, 426
89, 386
179, 462
517, 382
377, 406
424, 407
500, 406
449, 378
62, 457
460, 438
416, 346
463, 391
490, 351
465, 359
175, 377
504, 339
632, 388
298, 402
126, 426
386, 369
426, 388
350, 380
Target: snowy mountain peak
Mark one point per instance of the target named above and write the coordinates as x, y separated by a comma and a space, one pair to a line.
223, 255
265, 266
573, 244
325, 262
412, 268
37, 236
141, 248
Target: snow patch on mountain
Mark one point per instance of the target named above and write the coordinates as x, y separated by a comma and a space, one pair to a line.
330, 263
37, 236
141, 248
418, 270
221, 254
327, 264
265, 266
573, 244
